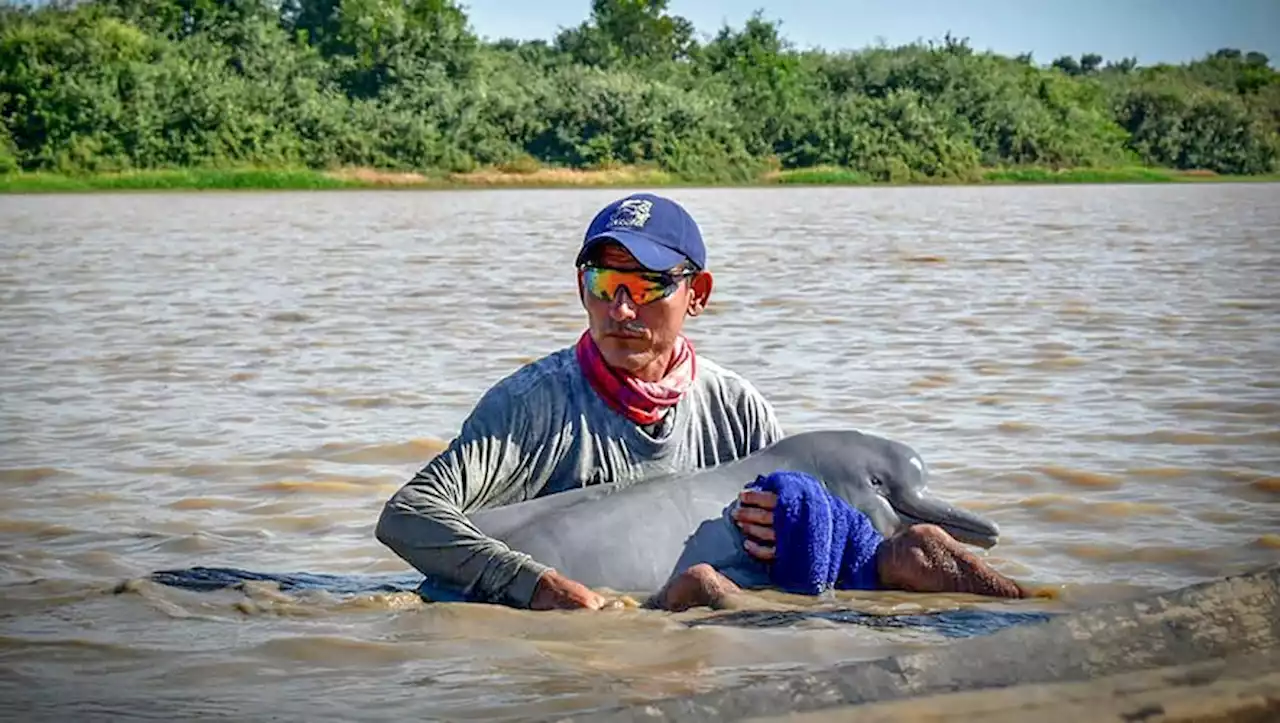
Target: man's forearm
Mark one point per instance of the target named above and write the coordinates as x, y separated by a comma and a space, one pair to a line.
437, 540
924, 558
498, 456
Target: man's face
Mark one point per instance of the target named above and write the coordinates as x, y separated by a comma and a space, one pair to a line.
638, 338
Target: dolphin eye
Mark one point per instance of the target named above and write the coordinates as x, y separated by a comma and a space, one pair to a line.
875, 481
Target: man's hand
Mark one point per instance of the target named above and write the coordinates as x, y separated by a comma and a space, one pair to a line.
755, 518
557, 592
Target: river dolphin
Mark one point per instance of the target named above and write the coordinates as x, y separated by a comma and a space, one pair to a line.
634, 537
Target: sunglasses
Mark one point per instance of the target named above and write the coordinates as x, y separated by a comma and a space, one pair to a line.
644, 287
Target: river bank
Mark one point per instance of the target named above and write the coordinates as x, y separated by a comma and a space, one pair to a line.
278, 179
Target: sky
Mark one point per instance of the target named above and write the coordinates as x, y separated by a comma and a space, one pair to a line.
1153, 31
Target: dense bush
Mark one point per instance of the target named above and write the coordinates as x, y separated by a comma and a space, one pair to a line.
405, 84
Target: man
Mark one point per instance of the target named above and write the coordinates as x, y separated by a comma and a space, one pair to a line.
630, 399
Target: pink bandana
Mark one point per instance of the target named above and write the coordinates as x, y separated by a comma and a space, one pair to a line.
640, 401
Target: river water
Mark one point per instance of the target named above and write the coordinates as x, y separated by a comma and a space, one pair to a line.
242, 379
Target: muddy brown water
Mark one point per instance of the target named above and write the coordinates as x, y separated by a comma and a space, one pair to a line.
242, 379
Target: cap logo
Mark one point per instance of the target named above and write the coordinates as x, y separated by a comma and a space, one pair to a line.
632, 212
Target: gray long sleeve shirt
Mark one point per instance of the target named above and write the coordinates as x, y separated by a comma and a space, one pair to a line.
544, 430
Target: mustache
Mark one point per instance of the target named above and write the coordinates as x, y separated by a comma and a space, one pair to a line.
630, 327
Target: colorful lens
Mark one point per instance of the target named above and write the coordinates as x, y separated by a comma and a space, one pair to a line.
644, 287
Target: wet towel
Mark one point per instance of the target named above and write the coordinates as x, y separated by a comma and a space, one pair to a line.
822, 541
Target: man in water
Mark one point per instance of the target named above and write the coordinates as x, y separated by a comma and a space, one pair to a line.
630, 399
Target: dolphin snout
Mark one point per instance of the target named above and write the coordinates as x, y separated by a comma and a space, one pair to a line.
965, 526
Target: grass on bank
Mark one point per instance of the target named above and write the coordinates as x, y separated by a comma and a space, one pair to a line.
308, 179
546, 177
1000, 176
164, 180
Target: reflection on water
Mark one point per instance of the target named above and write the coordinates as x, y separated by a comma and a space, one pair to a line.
242, 379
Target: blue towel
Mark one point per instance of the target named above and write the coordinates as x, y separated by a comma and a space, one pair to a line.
822, 541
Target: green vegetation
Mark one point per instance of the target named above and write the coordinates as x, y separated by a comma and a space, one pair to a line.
158, 94
197, 178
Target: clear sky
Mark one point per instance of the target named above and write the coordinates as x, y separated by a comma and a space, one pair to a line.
1150, 30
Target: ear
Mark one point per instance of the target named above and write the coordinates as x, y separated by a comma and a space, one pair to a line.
582, 290
699, 292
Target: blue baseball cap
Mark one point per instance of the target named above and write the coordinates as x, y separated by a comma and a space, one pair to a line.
657, 231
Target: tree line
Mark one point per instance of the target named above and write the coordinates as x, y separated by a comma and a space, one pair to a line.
106, 85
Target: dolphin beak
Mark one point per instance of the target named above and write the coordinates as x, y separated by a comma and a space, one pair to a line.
961, 524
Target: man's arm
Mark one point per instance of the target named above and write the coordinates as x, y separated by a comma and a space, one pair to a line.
490, 460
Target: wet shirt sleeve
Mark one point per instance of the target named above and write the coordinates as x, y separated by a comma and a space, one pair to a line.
425, 522
759, 421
